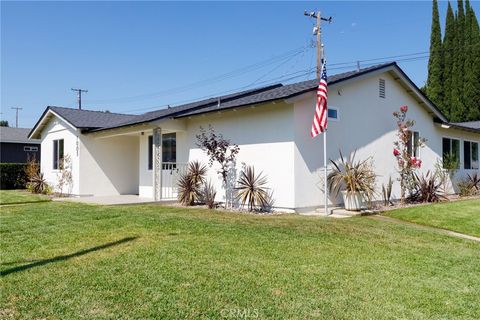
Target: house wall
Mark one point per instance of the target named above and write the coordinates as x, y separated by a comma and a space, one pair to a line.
14, 152
366, 124
109, 166
58, 129
265, 137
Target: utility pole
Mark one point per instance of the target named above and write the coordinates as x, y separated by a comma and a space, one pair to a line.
79, 92
16, 115
317, 30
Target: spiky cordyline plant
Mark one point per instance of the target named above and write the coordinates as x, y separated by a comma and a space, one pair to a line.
427, 188
208, 194
474, 181
251, 188
353, 176
197, 172
188, 191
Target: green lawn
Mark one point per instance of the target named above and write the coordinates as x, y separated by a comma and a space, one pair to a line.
19, 196
460, 216
74, 261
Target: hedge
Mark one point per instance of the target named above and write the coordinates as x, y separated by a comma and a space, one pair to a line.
12, 176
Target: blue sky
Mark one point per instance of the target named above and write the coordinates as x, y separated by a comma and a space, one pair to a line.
134, 57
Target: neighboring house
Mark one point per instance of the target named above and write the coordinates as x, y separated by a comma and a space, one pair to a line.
15, 147
114, 153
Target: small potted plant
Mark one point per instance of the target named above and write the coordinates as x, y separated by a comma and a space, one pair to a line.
354, 179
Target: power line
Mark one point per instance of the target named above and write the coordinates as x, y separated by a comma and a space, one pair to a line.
235, 73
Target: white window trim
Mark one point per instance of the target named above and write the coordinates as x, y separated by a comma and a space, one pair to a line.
30, 149
338, 114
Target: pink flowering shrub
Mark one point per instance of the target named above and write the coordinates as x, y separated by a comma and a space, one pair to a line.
407, 164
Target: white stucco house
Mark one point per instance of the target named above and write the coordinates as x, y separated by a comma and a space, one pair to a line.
113, 154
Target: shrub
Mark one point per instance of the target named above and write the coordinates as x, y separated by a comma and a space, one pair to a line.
38, 184
190, 182
427, 189
474, 180
188, 191
387, 192
407, 163
197, 172
208, 195
12, 176
251, 189
219, 150
469, 186
354, 176
32, 169
465, 188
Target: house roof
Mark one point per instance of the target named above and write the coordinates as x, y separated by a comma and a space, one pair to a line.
244, 98
93, 121
16, 135
89, 119
468, 124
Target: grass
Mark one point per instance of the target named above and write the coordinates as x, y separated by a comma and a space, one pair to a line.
459, 216
73, 261
20, 196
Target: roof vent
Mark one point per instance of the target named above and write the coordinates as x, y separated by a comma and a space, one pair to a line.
381, 88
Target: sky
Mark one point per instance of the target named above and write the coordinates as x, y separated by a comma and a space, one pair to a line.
135, 57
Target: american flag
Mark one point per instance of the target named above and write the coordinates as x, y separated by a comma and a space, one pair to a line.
319, 124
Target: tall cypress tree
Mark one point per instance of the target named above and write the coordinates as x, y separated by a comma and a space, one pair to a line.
471, 85
448, 61
458, 112
435, 63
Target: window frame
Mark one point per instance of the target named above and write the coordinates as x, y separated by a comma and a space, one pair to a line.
150, 150
459, 149
335, 109
471, 153
30, 149
57, 155
415, 150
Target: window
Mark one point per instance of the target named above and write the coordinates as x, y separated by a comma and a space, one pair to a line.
381, 88
470, 155
450, 152
333, 113
169, 149
28, 148
413, 144
150, 152
57, 153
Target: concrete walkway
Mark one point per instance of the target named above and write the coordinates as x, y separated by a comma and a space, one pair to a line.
424, 227
111, 200
336, 212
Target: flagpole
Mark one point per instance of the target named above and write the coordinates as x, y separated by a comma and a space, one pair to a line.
325, 171
325, 153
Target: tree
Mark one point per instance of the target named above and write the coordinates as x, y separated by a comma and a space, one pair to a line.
471, 82
434, 88
4, 123
458, 106
219, 150
449, 55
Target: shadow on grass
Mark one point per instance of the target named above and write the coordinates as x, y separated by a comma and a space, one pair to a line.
39, 263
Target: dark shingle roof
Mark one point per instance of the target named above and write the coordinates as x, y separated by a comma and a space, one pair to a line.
19, 135
254, 96
89, 119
